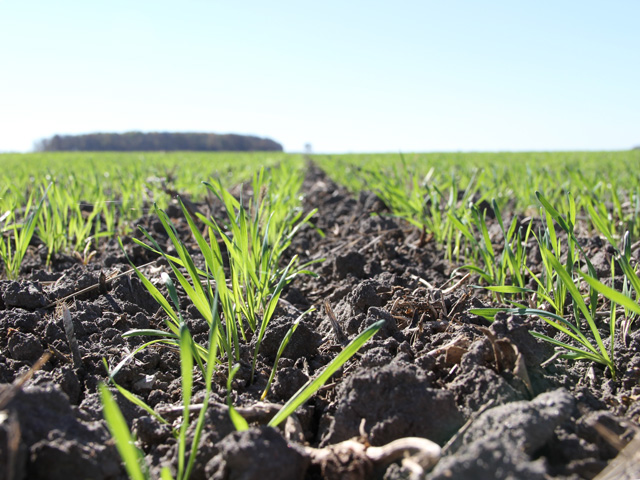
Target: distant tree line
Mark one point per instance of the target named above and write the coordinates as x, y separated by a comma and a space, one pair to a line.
165, 141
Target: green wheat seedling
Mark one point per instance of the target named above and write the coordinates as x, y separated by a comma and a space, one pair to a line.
559, 280
255, 239
13, 250
586, 350
623, 254
623, 298
573, 249
631, 282
63, 225
205, 301
52, 222
133, 457
606, 201
421, 203
495, 269
254, 244
548, 288
313, 385
78, 224
236, 305
426, 202
264, 229
125, 443
307, 391
5, 224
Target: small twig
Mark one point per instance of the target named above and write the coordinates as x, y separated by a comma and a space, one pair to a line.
462, 298
451, 279
370, 244
422, 281
434, 313
341, 247
57, 282
551, 360
58, 354
423, 238
393, 307
453, 288
328, 386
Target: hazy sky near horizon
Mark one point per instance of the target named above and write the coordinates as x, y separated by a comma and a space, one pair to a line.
345, 76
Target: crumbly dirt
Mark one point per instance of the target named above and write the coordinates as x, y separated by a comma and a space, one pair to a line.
481, 390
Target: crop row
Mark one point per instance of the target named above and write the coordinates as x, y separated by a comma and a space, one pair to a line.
236, 292
549, 200
70, 201
425, 188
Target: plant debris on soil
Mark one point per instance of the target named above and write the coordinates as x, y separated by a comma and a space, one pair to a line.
484, 393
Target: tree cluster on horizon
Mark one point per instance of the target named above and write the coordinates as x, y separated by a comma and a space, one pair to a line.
157, 141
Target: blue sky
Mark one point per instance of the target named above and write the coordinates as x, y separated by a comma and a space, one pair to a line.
345, 76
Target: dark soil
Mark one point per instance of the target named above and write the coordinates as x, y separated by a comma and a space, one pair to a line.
434, 370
